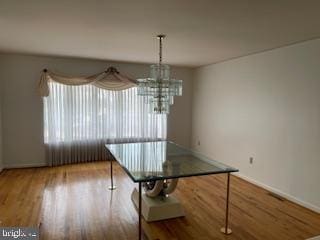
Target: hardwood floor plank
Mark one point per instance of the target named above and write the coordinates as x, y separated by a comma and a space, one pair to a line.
73, 202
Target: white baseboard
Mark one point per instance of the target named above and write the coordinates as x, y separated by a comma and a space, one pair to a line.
280, 193
24, 165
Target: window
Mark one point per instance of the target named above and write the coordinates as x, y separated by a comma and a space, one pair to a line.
87, 113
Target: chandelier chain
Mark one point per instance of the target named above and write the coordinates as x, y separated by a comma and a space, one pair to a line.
160, 50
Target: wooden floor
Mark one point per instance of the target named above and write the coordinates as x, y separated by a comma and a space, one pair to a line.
73, 202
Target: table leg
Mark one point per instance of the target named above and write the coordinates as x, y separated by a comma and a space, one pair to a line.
225, 229
112, 187
140, 210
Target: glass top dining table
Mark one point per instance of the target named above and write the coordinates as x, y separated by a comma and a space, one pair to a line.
150, 161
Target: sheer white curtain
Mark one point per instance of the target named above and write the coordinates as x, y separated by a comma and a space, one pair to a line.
79, 120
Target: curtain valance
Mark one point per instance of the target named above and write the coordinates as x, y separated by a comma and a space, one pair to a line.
110, 79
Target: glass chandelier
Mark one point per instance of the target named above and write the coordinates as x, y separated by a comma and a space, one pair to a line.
159, 89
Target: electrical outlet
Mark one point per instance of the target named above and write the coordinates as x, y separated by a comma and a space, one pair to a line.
251, 160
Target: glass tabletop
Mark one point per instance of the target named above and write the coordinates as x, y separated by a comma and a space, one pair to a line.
149, 161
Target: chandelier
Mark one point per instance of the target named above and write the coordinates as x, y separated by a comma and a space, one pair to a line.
159, 89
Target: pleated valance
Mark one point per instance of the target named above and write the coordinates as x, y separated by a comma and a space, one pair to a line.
110, 79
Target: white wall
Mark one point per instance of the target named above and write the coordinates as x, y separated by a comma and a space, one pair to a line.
22, 106
266, 106
1, 86
1, 152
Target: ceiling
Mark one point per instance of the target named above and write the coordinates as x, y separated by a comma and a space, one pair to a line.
198, 32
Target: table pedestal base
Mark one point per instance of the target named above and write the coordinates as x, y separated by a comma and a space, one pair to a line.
158, 208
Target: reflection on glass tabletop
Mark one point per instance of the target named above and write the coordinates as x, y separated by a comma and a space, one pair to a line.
147, 161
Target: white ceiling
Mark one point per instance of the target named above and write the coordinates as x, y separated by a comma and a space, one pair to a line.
198, 32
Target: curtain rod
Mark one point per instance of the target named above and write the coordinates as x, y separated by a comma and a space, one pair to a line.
109, 69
